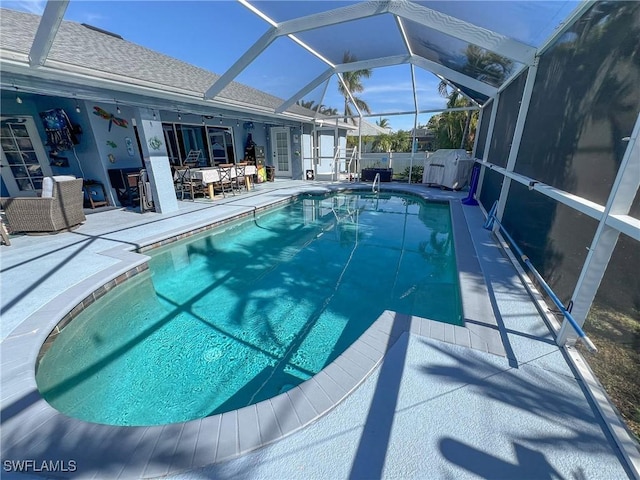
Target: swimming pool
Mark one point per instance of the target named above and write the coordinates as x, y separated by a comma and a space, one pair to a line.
229, 318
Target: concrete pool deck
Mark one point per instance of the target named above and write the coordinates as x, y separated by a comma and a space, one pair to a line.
431, 408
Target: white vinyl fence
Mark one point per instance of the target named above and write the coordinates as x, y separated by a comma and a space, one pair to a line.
397, 161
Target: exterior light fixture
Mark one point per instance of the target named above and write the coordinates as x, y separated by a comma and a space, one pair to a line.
154, 114
179, 115
237, 123
118, 108
202, 120
18, 99
77, 107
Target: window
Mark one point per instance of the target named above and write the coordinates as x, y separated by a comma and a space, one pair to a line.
171, 142
221, 144
191, 137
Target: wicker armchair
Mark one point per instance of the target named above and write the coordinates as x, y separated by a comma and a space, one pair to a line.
61, 211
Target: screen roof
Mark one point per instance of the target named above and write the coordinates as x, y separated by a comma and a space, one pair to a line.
299, 50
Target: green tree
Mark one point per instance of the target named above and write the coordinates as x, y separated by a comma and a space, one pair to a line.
307, 104
399, 141
480, 64
448, 127
323, 109
383, 123
353, 82
382, 143
486, 66
327, 110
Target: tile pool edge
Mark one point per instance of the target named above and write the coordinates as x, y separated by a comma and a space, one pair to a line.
220, 437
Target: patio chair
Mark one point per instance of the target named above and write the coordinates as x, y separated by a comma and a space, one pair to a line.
226, 179
185, 183
193, 159
59, 208
241, 178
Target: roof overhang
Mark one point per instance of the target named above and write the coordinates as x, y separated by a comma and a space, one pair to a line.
72, 81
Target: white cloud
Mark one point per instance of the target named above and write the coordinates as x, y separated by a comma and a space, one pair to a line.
37, 7
91, 18
30, 6
389, 87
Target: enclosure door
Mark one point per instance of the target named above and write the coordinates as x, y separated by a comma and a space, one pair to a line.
22, 157
325, 139
281, 151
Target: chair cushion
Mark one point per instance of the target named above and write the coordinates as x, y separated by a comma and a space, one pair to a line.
47, 184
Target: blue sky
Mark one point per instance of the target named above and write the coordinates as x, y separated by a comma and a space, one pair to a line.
214, 34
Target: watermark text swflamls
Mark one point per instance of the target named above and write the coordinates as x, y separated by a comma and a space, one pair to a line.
38, 466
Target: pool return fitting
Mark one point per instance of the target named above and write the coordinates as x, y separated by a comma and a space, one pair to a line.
489, 225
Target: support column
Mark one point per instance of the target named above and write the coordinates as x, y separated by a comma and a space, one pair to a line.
604, 241
415, 120
156, 161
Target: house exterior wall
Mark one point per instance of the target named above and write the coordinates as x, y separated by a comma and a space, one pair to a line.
86, 160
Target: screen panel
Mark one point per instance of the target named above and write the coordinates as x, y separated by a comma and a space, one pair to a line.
483, 132
506, 117
555, 237
585, 101
491, 186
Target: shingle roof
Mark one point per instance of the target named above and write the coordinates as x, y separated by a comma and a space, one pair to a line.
368, 129
106, 55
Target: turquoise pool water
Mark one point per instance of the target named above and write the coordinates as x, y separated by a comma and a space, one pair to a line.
232, 317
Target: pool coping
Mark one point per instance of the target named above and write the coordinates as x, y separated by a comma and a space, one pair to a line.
170, 449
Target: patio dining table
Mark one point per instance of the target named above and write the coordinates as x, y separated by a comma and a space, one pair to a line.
210, 175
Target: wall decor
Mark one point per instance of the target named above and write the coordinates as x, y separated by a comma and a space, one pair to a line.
121, 122
60, 136
155, 143
56, 161
129, 144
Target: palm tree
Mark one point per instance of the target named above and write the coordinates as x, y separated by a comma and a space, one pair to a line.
383, 123
482, 65
323, 109
399, 141
443, 89
485, 66
307, 104
383, 143
353, 82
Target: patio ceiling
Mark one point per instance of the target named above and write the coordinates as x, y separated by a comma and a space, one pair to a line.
475, 47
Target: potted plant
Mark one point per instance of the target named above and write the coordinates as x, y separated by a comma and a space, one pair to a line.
369, 174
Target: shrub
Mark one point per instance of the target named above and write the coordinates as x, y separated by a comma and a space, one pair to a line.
416, 173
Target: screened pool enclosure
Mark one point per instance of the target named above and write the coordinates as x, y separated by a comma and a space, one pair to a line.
555, 85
